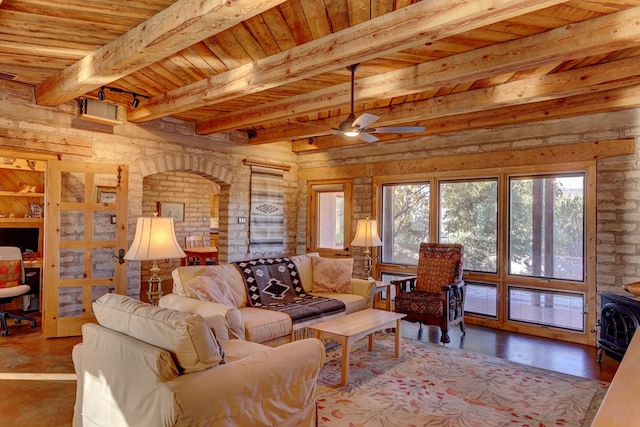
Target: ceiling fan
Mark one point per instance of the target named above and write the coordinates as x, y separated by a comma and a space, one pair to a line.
357, 127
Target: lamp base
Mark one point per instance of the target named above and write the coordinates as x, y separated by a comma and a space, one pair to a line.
154, 293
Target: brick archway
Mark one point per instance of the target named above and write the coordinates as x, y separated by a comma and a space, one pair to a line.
189, 163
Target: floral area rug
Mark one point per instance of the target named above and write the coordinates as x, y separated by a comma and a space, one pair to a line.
431, 385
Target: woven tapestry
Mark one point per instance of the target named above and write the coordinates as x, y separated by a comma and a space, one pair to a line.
266, 225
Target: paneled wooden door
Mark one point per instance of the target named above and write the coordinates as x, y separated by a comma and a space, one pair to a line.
85, 239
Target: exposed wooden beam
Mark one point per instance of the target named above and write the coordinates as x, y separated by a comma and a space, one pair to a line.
175, 28
601, 35
45, 143
592, 103
600, 77
402, 29
566, 153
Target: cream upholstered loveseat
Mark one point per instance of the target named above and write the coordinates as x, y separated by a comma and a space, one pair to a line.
151, 366
243, 321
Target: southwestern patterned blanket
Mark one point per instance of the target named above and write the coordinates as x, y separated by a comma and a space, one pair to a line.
274, 284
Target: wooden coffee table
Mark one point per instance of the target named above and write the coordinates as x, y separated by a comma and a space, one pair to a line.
348, 329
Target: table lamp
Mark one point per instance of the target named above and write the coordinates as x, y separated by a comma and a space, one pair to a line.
367, 237
155, 239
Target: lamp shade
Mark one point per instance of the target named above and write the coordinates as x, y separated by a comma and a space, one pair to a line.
155, 239
367, 233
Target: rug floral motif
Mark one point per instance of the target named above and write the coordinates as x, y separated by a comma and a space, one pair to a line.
431, 385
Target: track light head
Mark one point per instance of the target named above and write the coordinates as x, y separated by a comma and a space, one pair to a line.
136, 96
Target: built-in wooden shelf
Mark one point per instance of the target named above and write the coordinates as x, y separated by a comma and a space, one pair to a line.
27, 222
18, 194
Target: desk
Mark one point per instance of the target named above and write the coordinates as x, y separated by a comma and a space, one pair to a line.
202, 253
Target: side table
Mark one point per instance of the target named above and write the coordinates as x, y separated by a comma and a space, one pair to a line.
380, 286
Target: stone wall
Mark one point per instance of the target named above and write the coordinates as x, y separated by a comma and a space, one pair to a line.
160, 146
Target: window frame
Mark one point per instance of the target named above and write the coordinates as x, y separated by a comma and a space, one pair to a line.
324, 186
501, 277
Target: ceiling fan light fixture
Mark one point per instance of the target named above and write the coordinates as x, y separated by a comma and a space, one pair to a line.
352, 132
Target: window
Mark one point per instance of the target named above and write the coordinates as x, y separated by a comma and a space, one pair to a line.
405, 221
329, 217
546, 227
469, 215
551, 308
527, 234
481, 298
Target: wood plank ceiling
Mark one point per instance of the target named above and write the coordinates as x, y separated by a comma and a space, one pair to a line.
277, 69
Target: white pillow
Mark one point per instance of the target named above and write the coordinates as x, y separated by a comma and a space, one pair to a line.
186, 336
211, 286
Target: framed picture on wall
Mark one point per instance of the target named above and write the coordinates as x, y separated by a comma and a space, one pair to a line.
105, 194
171, 209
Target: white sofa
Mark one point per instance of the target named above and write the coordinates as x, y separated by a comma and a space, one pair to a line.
150, 366
260, 325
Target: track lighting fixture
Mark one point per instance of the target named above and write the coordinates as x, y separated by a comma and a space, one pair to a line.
136, 96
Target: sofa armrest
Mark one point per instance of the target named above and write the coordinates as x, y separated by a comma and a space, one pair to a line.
226, 322
364, 288
273, 387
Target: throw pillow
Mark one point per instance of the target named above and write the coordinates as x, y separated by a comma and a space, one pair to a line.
332, 274
10, 273
211, 286
186, 336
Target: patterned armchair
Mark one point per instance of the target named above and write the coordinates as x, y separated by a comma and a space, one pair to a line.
436, 295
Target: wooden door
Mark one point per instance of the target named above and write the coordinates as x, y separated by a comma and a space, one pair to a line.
330, 206
86, 235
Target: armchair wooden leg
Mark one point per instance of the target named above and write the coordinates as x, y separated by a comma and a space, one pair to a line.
463, 329
444, 327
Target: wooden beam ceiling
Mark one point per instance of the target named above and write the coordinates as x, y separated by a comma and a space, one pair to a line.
276, 69
601, 35
175, 28
411, 26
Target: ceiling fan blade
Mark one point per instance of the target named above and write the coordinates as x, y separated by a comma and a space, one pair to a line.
397, 129
367, 137
364, 120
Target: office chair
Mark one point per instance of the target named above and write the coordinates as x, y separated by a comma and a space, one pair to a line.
13, 283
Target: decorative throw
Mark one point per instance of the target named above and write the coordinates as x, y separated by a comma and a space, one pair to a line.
274, 284
266, 223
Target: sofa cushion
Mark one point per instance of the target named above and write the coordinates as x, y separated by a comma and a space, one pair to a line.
332, 274
211, 286
183, 275
186, 336
305, 268
352, 302
262, 325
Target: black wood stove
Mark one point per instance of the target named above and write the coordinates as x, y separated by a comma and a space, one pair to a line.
619, 319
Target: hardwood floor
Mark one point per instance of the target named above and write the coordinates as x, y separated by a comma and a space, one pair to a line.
569, 358
36, 387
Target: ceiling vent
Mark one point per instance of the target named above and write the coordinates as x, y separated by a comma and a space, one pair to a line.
98, 112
